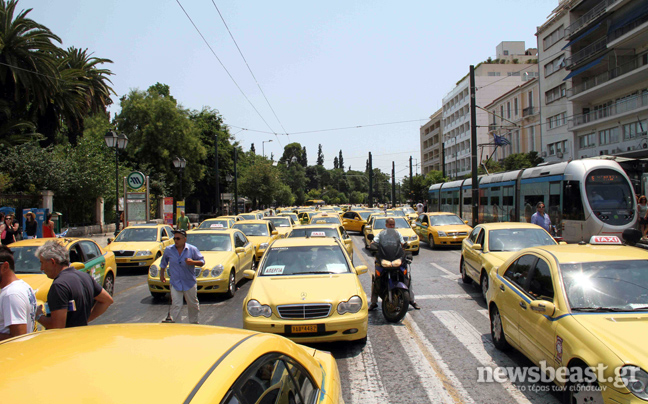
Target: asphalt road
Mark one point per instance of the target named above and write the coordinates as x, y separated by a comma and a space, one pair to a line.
433, 356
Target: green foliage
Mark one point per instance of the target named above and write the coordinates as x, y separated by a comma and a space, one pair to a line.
518, 161
320, 156
259, 181
284, 196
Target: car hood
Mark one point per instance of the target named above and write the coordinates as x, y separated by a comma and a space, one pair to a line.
213, 258
498, 257
39, 282
133, 246
453, 228
292, 289
622, 333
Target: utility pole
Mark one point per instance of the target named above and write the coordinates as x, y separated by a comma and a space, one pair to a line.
370, 182
236, 212
393, 194
473, 147
410, 187
218, 194
443, 170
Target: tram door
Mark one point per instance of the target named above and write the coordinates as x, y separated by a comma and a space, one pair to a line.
573, 215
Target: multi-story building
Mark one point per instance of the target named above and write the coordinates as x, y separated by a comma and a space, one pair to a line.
431, 144
492, 79
556, 139
515, 117
608, 64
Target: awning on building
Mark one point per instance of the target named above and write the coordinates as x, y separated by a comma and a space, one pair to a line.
581, 36
584, 68
629, 17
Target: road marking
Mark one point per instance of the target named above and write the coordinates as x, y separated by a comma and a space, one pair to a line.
450, 382
453, 296
430, 380
448, 274
485, 313
365, 380
471, 338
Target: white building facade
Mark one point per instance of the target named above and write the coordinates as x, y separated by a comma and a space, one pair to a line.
431, 134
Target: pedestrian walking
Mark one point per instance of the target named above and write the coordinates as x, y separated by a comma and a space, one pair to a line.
541, 218
9, 233
642, 214
48, 227
183, 222
182, 258
17, 300
74, 298
31, 225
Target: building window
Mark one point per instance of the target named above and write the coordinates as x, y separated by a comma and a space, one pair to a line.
532, 138
494, 73
555, 93
508, 110
515, 106
506, 53
554, 37
552, 149
557, 120
586, 141
608, 136
634, 129
531, 99
555, 65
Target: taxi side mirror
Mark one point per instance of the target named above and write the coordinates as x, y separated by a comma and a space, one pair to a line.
249, 274
465, 222
348, 241
165, 238
275, 232
78, 266
543, 307
562, 242
361, 269
239, 250
477, 247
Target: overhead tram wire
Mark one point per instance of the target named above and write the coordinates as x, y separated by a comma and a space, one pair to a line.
250, 70
224, 68
333, 129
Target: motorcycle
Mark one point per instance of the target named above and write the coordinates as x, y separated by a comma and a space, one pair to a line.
392, 286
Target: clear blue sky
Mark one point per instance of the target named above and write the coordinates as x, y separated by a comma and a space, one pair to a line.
321, 64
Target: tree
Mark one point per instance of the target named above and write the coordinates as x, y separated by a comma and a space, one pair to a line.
336, 163
259, 181
518, 161
252, 149
320, 156
292, 154
341, 161
283, 195
304, 159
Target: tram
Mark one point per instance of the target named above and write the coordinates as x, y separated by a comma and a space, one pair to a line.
583, 197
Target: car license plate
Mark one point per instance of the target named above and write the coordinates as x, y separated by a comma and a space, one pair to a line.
297, 329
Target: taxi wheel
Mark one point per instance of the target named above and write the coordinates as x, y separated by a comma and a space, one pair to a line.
582, 392
231, 286
158, 296
497, 331
464, 276
484, 286
109, 284
431, 241
416, 252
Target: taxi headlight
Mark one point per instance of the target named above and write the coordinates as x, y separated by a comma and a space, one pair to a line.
154, 271
205, 273
635, 380
143, 253
442, 234
256, 309
353, 305
263, 246
413, 238
217, 271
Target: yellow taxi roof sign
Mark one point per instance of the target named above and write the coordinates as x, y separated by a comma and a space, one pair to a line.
605, 240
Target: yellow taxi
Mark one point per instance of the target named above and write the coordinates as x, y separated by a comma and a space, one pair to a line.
354, 220
291, 215
325, 230
260, 233
410, 212
248, 216
205, 364
227, 254
377, 223
231, 217
308, 290
306, 216
85, 255
490, 244
284, 225
570, 307
441, 229
326, 217
139, 245
216, 224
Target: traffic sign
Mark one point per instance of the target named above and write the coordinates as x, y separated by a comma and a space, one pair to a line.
136, 180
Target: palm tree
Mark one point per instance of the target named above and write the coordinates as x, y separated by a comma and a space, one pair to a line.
28, 64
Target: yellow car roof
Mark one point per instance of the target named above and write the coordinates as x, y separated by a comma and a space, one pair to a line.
40, 241
133, 358
215, 231
257, 221
304, 242
568, 253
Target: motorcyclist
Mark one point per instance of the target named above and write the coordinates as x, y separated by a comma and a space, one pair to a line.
390, 245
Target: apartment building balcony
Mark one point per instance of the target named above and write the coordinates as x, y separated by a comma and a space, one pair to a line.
611, 80
528, 111
626, 32
586, 53
596, 11
627, 106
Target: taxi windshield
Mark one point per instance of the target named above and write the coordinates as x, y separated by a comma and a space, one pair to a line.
249, 216
326, 219
285, 261
210, 242
25, 260
400, 223
517, 239
408, 210
137, 234
606, 286
445, 220
213, 224
255, 229
365, 215
279, 221
396, 212
313, 232
292, 215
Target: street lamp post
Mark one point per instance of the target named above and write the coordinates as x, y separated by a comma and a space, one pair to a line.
119, 142
263, 146
180, 164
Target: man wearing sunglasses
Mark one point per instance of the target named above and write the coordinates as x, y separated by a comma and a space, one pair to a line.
182, 258
17, 300
541, 218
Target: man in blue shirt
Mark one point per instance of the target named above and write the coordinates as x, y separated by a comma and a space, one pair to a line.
181, 258
541, 218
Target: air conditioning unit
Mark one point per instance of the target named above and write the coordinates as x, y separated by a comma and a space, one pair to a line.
559, 155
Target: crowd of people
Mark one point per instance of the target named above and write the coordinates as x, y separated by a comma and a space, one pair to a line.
10, 227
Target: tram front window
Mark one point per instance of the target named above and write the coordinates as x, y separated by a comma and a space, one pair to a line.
610, 196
